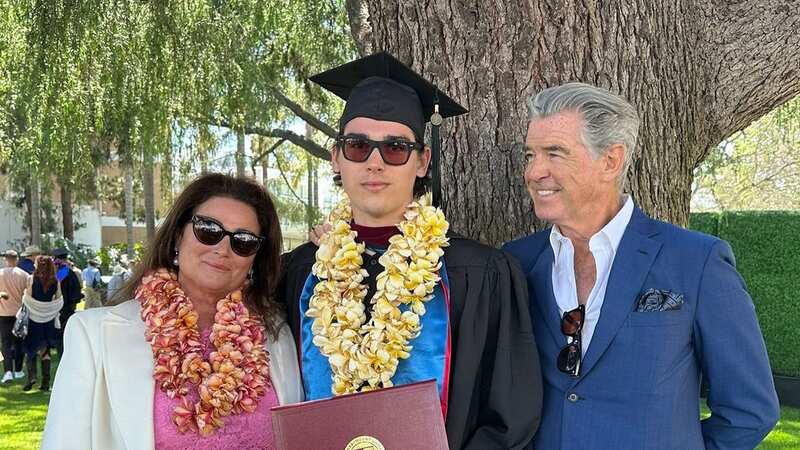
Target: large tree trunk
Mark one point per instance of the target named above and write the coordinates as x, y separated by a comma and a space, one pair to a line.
35, 212
311, 194
167, 168
203, 147
128, 169
148, 190
67, 220
265, 172
697, 71
240, 153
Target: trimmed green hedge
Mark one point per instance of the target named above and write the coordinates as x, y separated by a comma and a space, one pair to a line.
767, 249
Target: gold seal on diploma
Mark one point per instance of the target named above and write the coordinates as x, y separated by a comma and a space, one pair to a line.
364, 443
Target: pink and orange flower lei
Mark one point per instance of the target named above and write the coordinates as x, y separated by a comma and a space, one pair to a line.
235, 376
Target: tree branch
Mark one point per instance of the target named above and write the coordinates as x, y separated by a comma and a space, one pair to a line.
289, 185
303, 114
271, 149
306, 144
753, 64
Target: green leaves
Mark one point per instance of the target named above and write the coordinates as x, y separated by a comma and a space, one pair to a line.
86, 84
758, 167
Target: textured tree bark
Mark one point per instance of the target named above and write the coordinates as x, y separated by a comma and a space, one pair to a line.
309, 192
309, 182
148, 190
167, 168
240, 154
360, 28
127, 168
36, 212
67, 221
696, 71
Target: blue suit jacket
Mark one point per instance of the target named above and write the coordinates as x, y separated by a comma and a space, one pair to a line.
640, 377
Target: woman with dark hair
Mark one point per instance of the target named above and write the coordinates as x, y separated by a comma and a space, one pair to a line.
194, 350
44, 303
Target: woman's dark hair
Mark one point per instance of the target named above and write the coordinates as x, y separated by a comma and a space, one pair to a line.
259, 295
45, 271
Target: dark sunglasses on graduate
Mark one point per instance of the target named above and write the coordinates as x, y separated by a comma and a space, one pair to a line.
569, 358
394, 152
209, 232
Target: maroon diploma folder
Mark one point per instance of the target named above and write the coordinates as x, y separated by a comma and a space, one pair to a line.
406, 417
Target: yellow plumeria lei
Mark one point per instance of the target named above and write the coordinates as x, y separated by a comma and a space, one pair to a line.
364, 356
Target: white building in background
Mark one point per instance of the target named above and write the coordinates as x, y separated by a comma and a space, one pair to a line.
10, 225
92, 231
97, 225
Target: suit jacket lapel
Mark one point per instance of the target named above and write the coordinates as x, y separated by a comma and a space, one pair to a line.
635, 256
541, 278
129, 375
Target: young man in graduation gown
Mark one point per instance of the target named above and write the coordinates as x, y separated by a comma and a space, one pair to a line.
388, 271
70, 291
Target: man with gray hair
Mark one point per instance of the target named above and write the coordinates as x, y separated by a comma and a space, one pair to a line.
628, 311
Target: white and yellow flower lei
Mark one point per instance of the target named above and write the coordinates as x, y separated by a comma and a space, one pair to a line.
364, 356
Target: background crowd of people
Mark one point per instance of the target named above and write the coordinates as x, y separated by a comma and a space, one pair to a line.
51, 287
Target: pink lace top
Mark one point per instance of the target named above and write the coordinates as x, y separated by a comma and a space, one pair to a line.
243, 431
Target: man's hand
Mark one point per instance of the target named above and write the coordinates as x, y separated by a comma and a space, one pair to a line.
316, 233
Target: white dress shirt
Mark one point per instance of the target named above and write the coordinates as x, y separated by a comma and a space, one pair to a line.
603, 246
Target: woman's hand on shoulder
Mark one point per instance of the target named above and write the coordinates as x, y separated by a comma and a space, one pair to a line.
315, 234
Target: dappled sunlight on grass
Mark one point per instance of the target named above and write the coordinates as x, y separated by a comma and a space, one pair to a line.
22, 420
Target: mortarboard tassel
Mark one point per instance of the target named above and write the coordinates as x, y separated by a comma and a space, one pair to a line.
436, 185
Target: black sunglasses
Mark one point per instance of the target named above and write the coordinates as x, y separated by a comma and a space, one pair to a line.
569, 358
395, 152
209, 232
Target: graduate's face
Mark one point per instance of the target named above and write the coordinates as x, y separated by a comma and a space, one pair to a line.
569, 187
379, 192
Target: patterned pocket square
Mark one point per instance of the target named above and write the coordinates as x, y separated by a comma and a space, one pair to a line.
659, 300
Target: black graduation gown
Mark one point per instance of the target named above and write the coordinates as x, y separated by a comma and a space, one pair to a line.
71, 292
495, 395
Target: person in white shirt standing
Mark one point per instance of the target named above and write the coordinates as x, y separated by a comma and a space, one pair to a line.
91, 285
13, 282
121, 274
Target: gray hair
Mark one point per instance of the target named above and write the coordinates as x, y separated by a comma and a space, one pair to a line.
608, 119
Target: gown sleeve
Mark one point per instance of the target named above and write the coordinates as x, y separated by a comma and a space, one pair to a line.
510, 397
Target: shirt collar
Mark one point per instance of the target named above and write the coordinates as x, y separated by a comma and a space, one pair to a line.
557, 240
611, 233
616, 227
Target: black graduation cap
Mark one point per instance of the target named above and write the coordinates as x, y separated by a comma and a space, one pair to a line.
380, 87
59, 253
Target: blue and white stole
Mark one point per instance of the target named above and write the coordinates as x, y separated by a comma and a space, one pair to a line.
430, 356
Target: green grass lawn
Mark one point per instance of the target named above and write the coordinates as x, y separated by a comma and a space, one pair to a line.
785, 436
22, 416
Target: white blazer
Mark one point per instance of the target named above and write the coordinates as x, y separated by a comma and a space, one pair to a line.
103, 393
